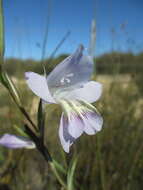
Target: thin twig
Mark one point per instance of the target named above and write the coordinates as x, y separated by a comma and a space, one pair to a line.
46, 36
59, 45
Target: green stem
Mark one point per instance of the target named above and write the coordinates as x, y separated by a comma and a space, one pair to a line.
40, 146
23, 111
102, 172
44, 151
58, 176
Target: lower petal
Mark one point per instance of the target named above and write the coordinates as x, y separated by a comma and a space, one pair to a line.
75, 125
79, 117
93, 123
66, 139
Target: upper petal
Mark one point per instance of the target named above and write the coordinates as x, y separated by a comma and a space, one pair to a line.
90, 92
12, 141
74, 70
39, 86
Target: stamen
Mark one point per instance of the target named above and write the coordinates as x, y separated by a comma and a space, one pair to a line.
65, 80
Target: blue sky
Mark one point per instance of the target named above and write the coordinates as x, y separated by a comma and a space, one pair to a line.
119, 25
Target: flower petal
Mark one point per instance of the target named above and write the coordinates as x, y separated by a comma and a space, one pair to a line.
86, 117
79, 117
90, 92
92, 123
66, 139
39, 86
74, 70
75, 126
12, 141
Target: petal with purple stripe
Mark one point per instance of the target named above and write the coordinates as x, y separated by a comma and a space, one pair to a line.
73, 71
75, 125
78, 117
65, 138
92, 122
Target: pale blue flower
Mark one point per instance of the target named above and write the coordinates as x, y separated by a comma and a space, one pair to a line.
69, 85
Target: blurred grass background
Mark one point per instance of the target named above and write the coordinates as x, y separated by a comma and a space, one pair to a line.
110, 160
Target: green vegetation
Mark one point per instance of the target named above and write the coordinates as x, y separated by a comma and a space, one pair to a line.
111, 63
110, 160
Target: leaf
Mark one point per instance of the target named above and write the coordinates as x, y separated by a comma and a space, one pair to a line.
40, 145
3, 79
20, 131
41, 118
8, 83
12, 88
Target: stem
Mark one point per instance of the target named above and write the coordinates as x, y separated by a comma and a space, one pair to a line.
39, 144
44, 151
57, 175
59, 45
23, 111
46, 37
41, 120
102, 172
8, 84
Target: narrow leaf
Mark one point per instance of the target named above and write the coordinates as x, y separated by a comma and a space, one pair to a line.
59, 167
41, 119
13, 89
20, 131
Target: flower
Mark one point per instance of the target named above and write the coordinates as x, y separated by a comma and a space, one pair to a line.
12, 141
69, 86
